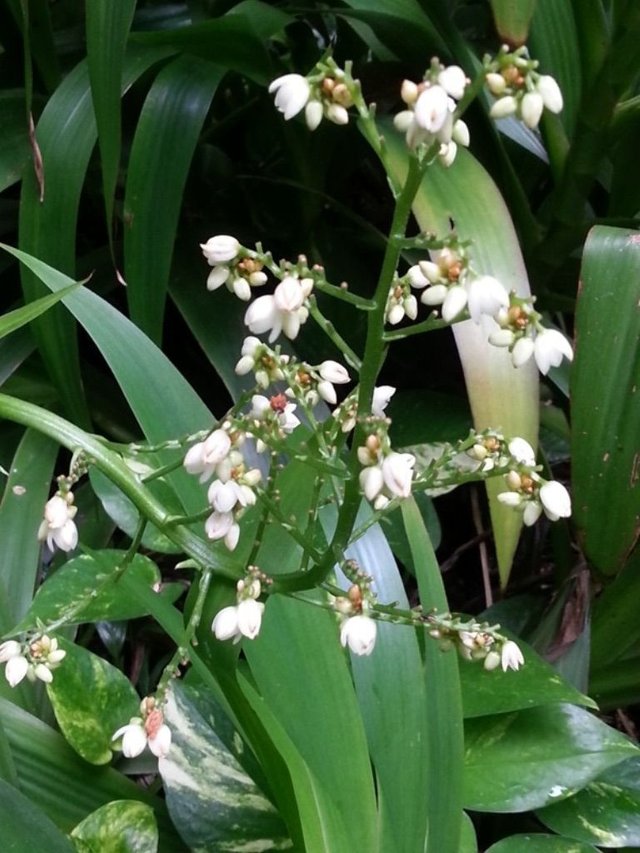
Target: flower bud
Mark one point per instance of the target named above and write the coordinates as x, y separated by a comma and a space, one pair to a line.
220, 249
503, 107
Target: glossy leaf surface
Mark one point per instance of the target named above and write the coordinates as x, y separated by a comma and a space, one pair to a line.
122, 826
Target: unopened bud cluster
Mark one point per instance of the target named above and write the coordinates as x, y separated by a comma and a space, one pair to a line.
476, 641
519, 89
35, 659
430, 115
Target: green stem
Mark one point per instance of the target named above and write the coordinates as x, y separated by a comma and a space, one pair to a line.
329, 329
112, 466
343, 294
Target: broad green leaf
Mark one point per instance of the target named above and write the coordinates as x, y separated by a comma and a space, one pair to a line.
512, 19
25, 827
107, 26
539, 843
536, 756
468, 841
66, 134
536, 683
401, 25
396, 724
91, 700
64, 786
606, 406
120, 509
88, 588
14, 147
606, 812
123, 826
501, 396
213, 803
161, 153
21, 316
148, 381
444, 746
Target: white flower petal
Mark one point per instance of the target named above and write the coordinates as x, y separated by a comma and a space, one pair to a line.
359, 633
225, 623
250, 617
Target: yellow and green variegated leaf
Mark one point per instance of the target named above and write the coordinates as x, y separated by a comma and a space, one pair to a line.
91, 699
88, 588
212, 801
124, 826
540, 843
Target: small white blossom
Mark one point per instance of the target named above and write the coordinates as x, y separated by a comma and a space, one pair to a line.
220, 249
134, 738
454, 303
453, 80
284, 311
263, 408
57, 527
313, 113
204, 457
250, 617
550, 347
138, 734
486, 295
225, 624
397, 471
531, 108
243, 619
16, 669
504, 107
359, 633
432, 109
510, 656
522, 451
292, 93
371, 481
550, 93
382, 394
555, 500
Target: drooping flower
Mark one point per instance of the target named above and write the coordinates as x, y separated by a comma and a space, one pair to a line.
359, 633
58, 528
550, 347
292, 93
382, 394
511, 656
35, 660
243, 619
486, 295
555, 500
284, 311
204, 457
397, 471
140, 733
220, 249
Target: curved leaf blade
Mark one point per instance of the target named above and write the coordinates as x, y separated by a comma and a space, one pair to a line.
122, 826
25, 827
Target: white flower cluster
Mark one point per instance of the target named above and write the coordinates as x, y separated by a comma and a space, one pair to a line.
430, 113
35, 660
476, 642
306, 382
519, 89
285, 310
272, 417
58, 527
244, 618
323, 95
529, 492
522, 333
386, 474
447, 284
232, 265
232, 490
147, 730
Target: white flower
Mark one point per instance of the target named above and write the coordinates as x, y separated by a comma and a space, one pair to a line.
496, 83
522, 451
555, 500
371, 481
337, 114
222, 525
382, 394
292, 93
204, 457
454, 303
261, 408
501, 338
134, 738
359, 633
225, 624
58, 527
160, 743
531, 108
486, 295
461, 134
432, 109
283, 311
510, 656
550, 346
522, 351
504, 107
242, 620
550, 93
453, 80
9, 649
217, 277
16, 669
397, 470
313, 113
434, 295
447, 153
220, 249
136, 735
223, 496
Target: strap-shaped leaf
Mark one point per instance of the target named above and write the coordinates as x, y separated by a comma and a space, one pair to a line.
606, 399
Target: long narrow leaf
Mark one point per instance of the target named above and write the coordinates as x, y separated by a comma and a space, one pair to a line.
21, 316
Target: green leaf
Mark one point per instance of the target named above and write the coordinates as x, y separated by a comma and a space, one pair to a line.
402, 25
66, 134
213, 803
536, 683
13, 320
606, 812
25, 827
539, 843
536, 756
123, 826
91, 699
165, 139
88, 588
501, 397
468, 841
120, 509
14, 146
444, 747
107, 27
512, 19
63, 784
606, 399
